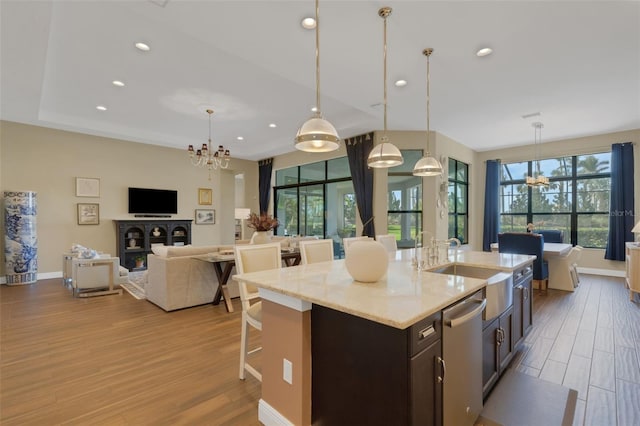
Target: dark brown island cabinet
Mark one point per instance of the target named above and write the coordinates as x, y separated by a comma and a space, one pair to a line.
134, 238
367, 373
503, 335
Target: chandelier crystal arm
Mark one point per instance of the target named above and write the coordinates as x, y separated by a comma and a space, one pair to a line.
207, 156
536, 178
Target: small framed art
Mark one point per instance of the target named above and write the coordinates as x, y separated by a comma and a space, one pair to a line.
205, 196
205, 216
87, 187
88, 214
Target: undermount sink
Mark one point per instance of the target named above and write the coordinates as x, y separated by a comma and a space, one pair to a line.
499, 286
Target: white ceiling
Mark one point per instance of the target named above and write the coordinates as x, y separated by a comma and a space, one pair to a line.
577, 63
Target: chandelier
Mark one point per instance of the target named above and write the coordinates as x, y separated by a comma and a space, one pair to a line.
317, 134
427, 165
206, 157
385, 154
537, 179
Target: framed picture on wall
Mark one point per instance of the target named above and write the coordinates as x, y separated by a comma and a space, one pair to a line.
205, 216
205, 196
87, 187
88, 214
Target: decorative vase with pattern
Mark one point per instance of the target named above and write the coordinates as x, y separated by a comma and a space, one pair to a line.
20, 239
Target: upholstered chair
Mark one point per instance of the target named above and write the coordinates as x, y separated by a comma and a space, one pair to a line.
527, 243
312, 251
388, 241
551, 235
348, 240
253, 258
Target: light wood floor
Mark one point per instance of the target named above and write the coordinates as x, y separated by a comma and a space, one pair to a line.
117, 360
589, 340
120, 361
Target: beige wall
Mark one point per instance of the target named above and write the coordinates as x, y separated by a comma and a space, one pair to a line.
48, 161
591, 258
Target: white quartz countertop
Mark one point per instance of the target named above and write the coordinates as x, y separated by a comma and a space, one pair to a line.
401, 298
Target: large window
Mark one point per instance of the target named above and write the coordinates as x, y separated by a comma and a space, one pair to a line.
458, 199
316, 199
576, 200
404, 200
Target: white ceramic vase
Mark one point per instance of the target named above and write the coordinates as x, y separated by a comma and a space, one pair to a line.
261, 237
366, 261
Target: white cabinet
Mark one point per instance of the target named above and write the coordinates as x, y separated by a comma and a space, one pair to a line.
633, 268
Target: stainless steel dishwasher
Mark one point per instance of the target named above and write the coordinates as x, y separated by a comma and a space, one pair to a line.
462, 353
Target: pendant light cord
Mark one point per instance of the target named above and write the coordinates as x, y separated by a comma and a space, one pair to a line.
384, 58
317, 59
428, 53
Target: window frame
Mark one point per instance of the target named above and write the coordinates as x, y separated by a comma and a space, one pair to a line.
418, 213
455, 214
573, 179
297, 185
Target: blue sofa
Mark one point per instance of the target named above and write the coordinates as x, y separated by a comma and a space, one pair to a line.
527, 243
551, 235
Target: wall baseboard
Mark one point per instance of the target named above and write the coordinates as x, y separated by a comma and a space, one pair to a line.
43, 276
605, 272
269, 416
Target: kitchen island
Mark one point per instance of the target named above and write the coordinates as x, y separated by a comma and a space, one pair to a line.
402, 302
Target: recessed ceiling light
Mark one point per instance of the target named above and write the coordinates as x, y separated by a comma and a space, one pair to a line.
401, 83
314, 109
484, 51
118, 83
143, 46
308, 23
240, 138
273, 125
101, 108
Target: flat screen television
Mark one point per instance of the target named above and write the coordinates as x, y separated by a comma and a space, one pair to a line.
145, 201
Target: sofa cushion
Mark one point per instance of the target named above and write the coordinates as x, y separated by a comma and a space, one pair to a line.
159, 250
179, 251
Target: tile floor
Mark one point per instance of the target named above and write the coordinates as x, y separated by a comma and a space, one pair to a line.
589, 340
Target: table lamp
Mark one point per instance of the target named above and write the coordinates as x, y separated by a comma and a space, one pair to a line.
636, 230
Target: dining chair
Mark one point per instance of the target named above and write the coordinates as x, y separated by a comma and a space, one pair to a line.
531, 244
388, 241
573, 259
312, 251
551, 235
253, 258
350, 240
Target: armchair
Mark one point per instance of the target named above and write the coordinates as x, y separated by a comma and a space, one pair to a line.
95, 277
531, 244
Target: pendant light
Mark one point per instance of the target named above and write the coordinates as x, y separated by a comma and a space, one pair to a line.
385, 154
537, 179
427, 165
317, 134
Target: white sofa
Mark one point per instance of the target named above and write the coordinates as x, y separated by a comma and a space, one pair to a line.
176, 280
